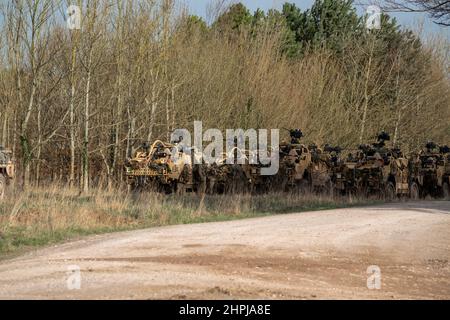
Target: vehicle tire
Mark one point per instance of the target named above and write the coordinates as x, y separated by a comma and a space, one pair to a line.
414, 192
446, 191
389, 192
2, 186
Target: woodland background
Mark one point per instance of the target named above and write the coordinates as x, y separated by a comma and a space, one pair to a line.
74, 103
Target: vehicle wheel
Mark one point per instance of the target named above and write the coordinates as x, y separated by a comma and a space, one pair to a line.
2, 186
414, 193
390, 192
446, 191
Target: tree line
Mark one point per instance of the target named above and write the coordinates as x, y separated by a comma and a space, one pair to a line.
74, 104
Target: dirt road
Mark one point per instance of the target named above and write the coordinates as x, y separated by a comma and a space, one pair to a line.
312, 255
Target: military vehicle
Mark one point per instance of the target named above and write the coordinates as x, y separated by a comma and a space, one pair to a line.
430, 172
373, 170
304, 168
239, 175
256, 181
381, 170
7, 170
321, 169
225, 178
164, 167
344, 176
295, 159
342, 170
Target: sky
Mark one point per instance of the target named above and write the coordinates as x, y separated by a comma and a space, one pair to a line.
410, 20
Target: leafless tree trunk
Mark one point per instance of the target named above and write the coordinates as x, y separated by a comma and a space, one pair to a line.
366, 92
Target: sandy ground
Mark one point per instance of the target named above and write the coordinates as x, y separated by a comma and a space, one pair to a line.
312, 255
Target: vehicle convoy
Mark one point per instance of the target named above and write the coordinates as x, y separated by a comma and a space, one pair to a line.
373, 170
6, 170
430, 172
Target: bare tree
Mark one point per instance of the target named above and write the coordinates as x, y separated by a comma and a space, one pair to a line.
439, 10
75, 39
30, 37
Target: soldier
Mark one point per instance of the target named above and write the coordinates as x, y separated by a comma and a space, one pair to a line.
296, 135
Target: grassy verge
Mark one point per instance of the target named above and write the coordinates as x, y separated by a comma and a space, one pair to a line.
51, 215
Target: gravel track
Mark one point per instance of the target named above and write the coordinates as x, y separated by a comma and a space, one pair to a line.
310, 255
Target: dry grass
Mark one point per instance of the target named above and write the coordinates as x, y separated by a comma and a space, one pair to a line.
53, 214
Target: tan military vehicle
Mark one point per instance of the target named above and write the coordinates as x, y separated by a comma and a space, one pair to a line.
381, 170
342, 170
295, 159
7, 170
321, 169
255, 181
304, 168
373, 170
344, 175
430, 172
164, 167
231, 177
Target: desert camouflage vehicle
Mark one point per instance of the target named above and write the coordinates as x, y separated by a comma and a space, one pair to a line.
373, 170
344, 175
164, 167
343, 170
256, 181
321, 169
7, 170
381, 170
225, 178
239, 175
303, 168
430, 172
295, 159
